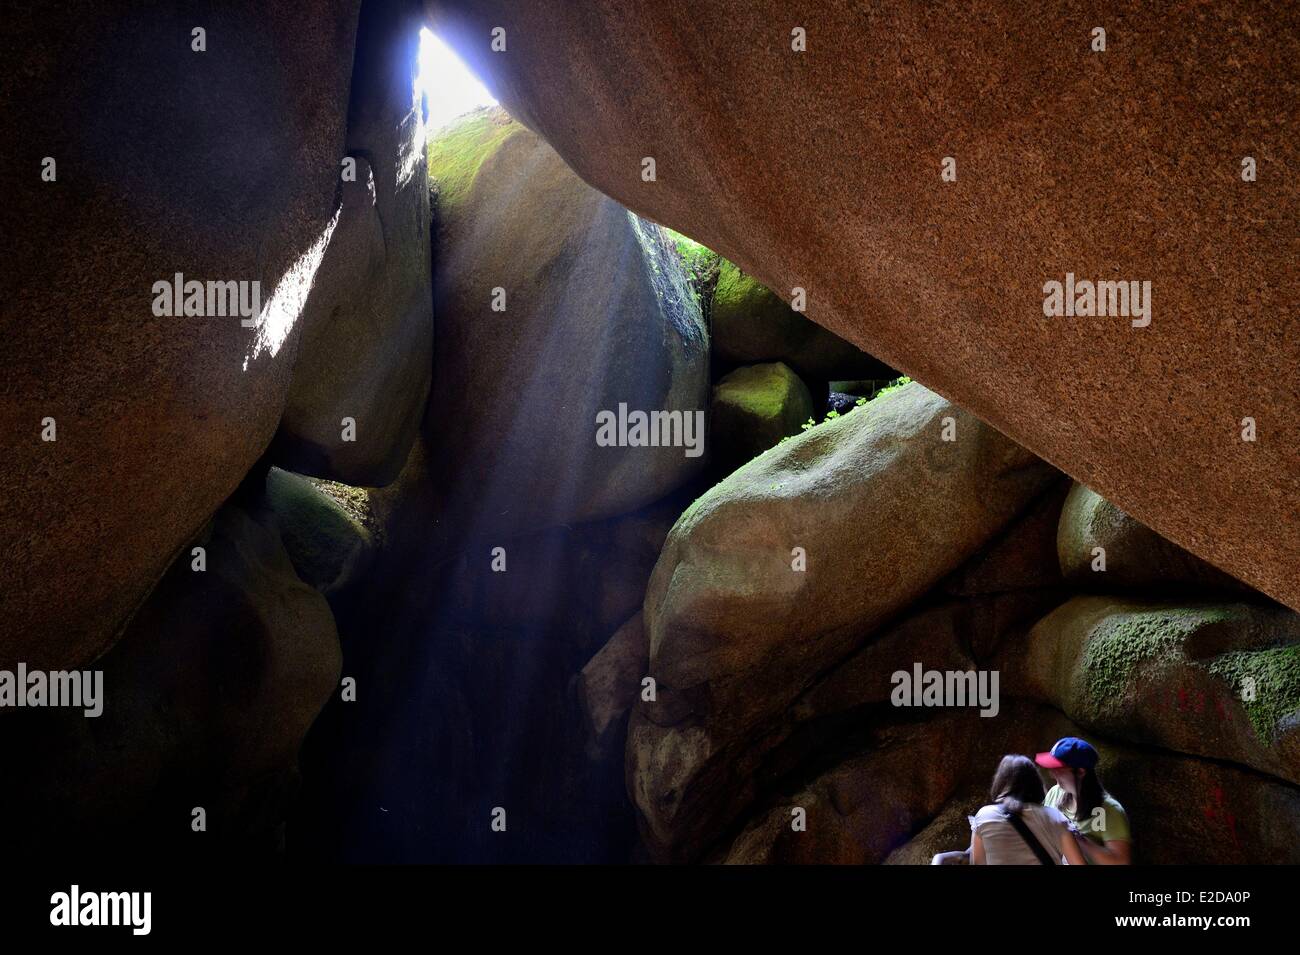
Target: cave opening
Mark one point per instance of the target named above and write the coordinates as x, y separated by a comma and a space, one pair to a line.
445, 87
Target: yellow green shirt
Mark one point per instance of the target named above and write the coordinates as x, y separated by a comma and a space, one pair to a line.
1108, 823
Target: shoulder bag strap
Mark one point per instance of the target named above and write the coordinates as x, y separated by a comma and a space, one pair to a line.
1045, 857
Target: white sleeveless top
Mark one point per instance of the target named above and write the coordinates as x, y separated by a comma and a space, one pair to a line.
1004, 846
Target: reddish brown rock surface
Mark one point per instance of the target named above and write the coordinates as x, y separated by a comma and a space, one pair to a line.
822, 169
221, 165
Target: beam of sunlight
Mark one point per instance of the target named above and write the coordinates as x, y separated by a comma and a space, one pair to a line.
445, 85
410, 150
280, 313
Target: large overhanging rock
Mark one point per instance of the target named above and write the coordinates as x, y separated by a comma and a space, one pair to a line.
777, 573
220, 165
822, 170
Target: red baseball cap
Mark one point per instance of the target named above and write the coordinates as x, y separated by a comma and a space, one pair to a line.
1069, 751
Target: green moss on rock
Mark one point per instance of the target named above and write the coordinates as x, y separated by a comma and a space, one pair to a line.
458, 151
672, 289
760, 390
324, 542
751, 324
1274, 676
699, 261
354, 500
754, 408
743, 297
1120, 644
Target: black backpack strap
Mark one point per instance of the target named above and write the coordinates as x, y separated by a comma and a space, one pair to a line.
1044, 857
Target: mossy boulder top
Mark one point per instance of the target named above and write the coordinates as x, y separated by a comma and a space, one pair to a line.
327, 546
1220, 680
457, 152
753, 409
752, 324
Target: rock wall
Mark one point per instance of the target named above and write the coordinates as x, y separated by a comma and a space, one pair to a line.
197, 146
367, 349
554, 306
205, 702
226, 170
776, 574
791, 596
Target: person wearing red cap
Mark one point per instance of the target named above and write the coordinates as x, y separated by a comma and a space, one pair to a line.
1099, 821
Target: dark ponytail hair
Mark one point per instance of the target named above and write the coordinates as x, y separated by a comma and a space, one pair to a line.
1091, 794
1016, 784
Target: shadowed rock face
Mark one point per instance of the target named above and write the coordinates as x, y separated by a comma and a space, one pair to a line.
750, 323
486, 693
205, 702
221, 165
367, 345
1135, 556
822, 170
